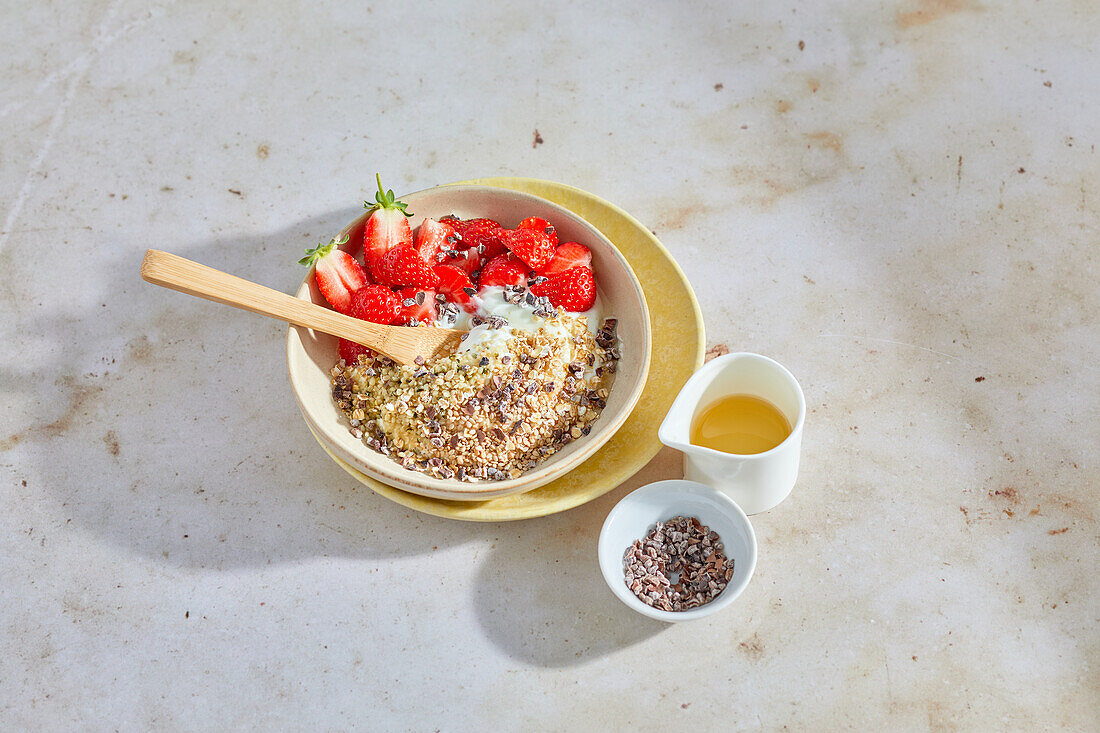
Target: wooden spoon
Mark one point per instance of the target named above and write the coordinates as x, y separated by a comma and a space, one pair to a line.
400, 343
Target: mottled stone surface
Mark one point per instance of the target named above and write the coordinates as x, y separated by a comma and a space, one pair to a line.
896, 200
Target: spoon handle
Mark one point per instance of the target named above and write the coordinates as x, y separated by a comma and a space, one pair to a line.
171, 271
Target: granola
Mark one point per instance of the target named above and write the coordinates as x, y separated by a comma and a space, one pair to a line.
523, 386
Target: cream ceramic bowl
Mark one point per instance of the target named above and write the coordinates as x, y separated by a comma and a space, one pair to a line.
310, 355
637, 512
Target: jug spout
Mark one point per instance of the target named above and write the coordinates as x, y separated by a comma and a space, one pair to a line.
699, 391
675, 429
679, 437
756, 482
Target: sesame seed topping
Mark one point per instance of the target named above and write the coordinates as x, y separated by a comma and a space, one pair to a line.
480, 415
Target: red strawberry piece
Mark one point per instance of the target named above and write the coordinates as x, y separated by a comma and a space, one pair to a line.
403, 266
567, 256
338, 274
387, 227
456, 285
503, 271
374, 303
492, 246
350, 351
469, 261
482, 234
433, 238
471, 229
574, 290
532, 246
534, 223
416, 305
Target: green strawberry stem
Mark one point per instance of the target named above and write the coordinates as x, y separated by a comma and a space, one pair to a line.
316, 253
385, 199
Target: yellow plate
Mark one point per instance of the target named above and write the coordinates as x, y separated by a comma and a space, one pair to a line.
678, 346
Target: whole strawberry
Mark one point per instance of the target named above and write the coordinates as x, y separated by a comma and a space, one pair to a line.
574, 290
403, 266
387, 227
337, 273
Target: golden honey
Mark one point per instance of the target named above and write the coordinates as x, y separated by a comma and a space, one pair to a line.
740, 423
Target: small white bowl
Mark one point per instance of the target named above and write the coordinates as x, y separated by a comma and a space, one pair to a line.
636, 514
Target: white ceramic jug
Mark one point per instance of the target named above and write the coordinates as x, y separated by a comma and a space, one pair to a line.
756, 482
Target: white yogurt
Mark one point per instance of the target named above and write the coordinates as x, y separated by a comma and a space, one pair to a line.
520, 317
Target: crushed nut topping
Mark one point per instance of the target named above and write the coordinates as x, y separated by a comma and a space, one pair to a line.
481, 415
681, 564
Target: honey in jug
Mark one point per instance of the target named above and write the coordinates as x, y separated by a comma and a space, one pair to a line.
740, 423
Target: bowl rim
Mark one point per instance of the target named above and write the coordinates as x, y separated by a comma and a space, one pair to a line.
451, 489
672, 487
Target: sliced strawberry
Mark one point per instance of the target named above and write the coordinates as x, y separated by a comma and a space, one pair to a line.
416, 305
540, 225
491, 246
350, 351
338, 274
433, 238
470, 230
469, 261
374, 303
387, 227
531, 246
567, 256
574, 290
456, 285
403, 266
503, 271
482, 234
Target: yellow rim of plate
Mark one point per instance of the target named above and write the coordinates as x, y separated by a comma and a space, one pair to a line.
628, 454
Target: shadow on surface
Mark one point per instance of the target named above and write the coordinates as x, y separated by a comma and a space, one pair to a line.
166, 425
540, 595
